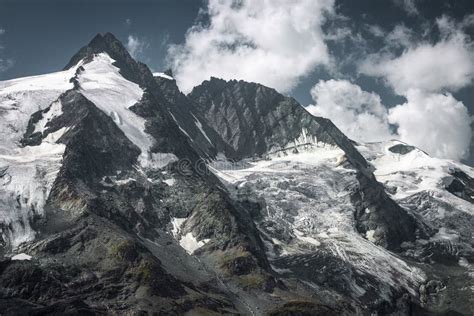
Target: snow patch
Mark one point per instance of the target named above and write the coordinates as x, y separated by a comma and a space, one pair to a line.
162, 75
28, 172
102, 83
370, 235
180, 128
177, 223
188, 242
170, 182
444, 234
159, 160
124, 181
191, 244
21, 257
309, 240
199, 126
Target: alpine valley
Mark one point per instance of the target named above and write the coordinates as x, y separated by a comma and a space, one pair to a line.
120, 195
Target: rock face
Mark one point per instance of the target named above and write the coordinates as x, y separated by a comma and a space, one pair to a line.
254, 120
462, 185
121, 195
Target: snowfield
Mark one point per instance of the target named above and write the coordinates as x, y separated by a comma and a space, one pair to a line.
102, 83
415, 172
418, 182
309, 214
308, 223
27, 173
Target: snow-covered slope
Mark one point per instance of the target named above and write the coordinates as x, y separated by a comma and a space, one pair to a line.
426, 185
422, 183
308, 218
414, 172
27, 173
101, 83
308, 222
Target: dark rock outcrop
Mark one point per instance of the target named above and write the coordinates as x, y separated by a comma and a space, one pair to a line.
401, 149
462, 186
253, 120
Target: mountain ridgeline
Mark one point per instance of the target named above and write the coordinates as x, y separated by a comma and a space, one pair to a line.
122, 195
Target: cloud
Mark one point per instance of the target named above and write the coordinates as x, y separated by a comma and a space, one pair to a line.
436, 123
467, 21
446, 65
136, 46
338, 34
274, 42
408, 5
375, 30
424, 73
5, 63
359, 114
400, 36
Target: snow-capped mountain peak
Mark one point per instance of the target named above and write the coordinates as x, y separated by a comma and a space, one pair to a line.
116, 186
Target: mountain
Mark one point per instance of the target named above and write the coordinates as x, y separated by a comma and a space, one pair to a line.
122, 195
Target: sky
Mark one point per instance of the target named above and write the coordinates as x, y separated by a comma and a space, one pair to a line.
380, 70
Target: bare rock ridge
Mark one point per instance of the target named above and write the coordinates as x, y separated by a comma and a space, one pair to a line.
122, 195
252, 119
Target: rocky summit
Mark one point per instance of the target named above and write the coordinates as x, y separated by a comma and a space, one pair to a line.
120, 195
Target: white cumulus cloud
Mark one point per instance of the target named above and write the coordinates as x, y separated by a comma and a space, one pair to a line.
408, 5
359, 114
400, 36
425, 74
273, 42
446, 65
434, 122
136, 46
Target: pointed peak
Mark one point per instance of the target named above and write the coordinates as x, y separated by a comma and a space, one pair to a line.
106, 42
109, 44
101, 43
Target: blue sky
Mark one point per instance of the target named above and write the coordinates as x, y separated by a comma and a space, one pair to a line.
372, 52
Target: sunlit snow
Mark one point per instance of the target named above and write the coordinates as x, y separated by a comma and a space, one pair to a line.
307, 199
191, 244
415, 172
21, 257
188, 242
27, 173
162, 75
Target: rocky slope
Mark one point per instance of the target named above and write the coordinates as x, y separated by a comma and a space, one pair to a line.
121, 195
